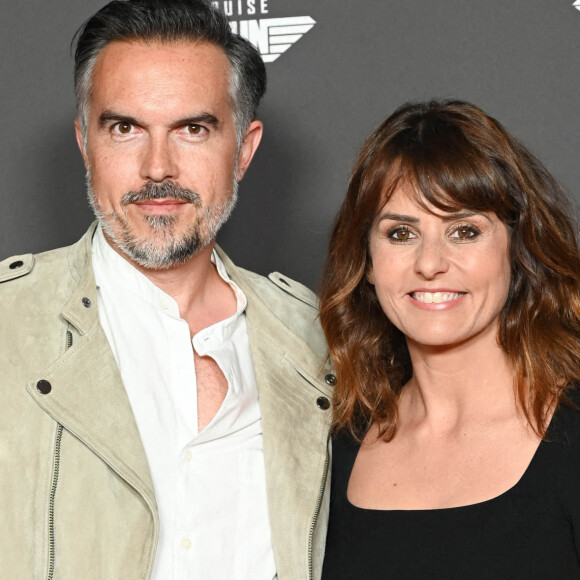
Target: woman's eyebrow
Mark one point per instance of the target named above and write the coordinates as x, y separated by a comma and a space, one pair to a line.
460, 215
446, 217
449, 217
398, 217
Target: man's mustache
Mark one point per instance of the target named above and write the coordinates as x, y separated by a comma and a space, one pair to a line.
162, 190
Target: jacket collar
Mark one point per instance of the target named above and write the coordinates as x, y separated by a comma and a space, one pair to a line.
264, 325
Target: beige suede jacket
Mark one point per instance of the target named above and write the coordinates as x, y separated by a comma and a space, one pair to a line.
76, 497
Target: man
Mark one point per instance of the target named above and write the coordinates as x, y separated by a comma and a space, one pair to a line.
164, 413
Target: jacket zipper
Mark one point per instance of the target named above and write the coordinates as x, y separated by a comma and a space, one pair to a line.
55, 469
52, 496
317, 512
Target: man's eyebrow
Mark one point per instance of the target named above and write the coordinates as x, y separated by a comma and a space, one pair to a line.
111, 116
205, 118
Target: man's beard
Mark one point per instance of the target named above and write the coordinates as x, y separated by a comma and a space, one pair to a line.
163, 248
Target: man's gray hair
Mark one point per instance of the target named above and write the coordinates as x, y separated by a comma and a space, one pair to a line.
170, 21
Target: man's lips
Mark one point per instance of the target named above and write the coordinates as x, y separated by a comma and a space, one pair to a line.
164, 201
161, 205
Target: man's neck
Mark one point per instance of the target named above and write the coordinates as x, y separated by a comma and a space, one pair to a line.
202, 295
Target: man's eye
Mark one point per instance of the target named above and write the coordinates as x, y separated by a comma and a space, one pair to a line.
124, 128
195, 129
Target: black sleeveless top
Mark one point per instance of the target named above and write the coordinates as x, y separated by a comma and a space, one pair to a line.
530, 531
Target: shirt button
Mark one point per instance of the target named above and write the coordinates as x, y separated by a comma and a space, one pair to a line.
165, 303
187, 455
186, 543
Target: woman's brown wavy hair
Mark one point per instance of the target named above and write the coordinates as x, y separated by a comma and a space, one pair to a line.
455, 157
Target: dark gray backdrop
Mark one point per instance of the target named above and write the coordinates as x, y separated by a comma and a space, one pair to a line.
517, 59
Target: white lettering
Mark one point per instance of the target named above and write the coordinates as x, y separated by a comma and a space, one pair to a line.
258, 36
243, 29
239, 8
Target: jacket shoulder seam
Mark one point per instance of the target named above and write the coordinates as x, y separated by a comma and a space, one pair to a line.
16, 267
295, 289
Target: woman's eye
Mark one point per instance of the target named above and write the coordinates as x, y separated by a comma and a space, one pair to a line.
401, 234
465, 232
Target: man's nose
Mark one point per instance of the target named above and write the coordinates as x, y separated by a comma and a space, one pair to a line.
431, 258
159, 160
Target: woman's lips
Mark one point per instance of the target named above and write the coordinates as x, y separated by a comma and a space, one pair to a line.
436, 297
436, 300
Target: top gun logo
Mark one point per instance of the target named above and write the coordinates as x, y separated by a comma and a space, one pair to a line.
271, 36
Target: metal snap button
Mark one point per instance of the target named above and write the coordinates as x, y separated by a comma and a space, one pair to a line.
330, 380
323, 403
43, 387
86, 302
17, 264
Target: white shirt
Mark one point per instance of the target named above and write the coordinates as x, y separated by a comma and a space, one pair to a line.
210, 485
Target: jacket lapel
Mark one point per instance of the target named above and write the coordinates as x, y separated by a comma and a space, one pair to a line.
290, 379
87, 395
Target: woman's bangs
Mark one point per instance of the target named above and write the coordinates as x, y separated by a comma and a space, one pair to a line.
453, 181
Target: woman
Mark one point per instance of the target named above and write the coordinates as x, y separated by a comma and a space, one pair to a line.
451, 306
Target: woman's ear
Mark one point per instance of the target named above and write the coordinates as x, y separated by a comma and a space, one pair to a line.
369, 275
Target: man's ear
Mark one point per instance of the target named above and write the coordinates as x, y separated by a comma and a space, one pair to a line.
80, 143
249, 145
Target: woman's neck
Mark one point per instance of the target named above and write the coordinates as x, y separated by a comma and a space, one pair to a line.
455, 385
